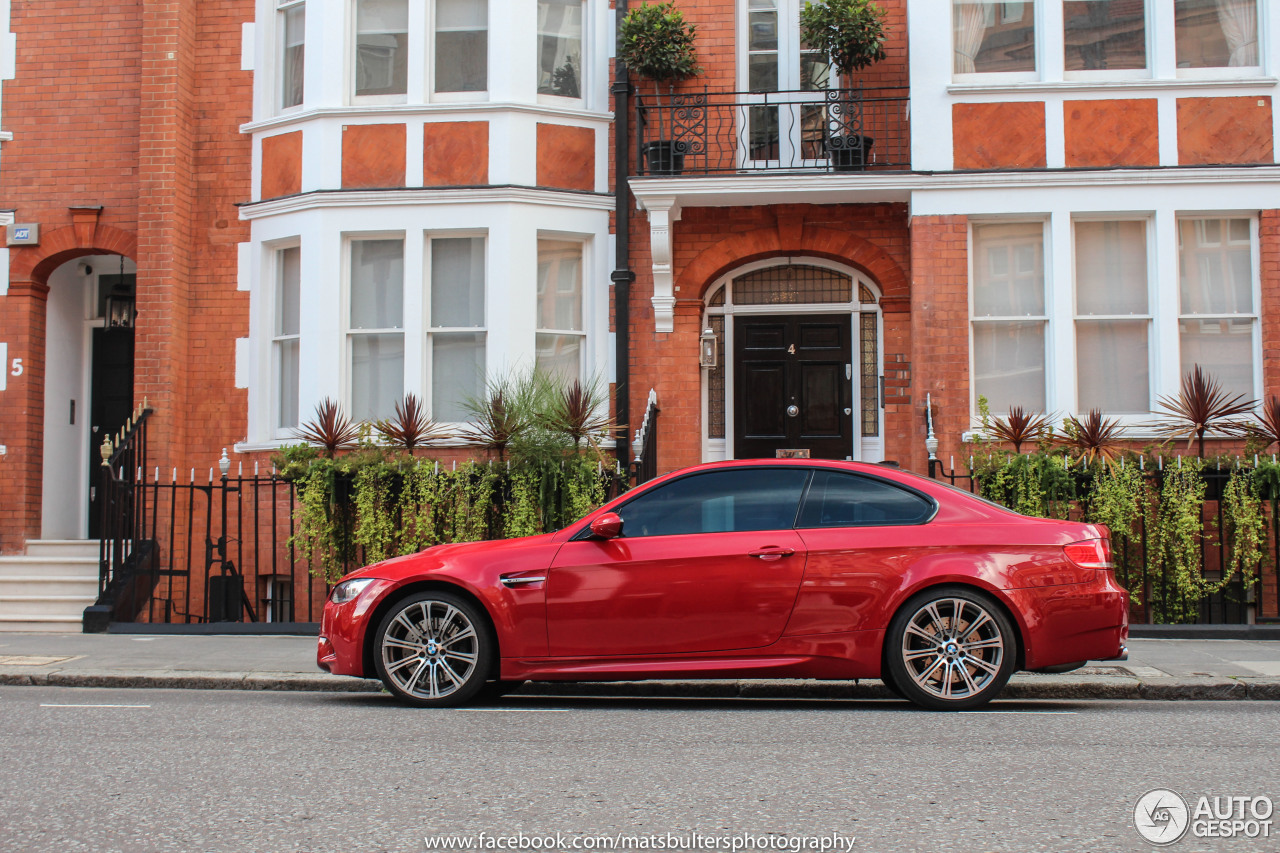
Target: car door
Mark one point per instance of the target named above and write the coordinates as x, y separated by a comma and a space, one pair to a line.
707, 562
861, 534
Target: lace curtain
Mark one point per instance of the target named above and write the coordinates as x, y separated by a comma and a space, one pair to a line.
971, 26
1239, 20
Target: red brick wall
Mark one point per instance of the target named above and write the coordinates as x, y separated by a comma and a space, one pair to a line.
998, 136
282, 164
455, 153
566, 157
1225, 130
1269, 263
709, 242
373, 156
135, 108
1112, 133
940, 320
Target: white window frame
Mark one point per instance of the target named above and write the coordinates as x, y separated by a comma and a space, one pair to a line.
1229, 72
1002, 77
282, 53
1045, 317
348, 239
584, 243
430, 61
1255, 274
430, 330
277, 251
353, 33
584, 61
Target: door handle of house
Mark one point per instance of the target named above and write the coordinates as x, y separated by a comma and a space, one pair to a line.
771, 552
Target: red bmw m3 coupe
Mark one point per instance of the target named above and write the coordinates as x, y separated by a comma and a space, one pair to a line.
789, 568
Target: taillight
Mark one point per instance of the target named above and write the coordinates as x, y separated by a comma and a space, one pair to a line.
1090, 554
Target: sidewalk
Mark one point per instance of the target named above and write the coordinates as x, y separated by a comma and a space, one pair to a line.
1156, 669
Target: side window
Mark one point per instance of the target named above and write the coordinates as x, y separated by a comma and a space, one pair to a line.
718, 502
845, 500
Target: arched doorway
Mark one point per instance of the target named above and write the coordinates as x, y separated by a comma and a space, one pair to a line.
799, 363
88, 385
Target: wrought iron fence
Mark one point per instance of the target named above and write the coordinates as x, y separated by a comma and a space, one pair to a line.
645, 466
180, 547
824, 130
1142, 569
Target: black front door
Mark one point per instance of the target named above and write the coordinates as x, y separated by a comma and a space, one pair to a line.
111, 402
792, 386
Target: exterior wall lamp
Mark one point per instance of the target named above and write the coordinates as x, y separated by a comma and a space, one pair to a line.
119, 311
708, 347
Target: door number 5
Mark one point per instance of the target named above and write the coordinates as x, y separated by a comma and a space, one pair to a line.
16, 370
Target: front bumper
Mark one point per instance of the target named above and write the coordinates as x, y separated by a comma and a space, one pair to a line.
343, 628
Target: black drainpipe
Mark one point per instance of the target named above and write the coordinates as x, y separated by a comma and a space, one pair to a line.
622, 276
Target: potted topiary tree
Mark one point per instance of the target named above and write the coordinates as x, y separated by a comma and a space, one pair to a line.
655, 42
852, 35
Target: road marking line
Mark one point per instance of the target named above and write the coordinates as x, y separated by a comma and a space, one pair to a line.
515, 710
51, 705
1024, 713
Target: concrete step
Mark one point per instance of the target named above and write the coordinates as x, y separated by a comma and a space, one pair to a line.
41, 585
62, 548
41, 624
44, 604
29, 566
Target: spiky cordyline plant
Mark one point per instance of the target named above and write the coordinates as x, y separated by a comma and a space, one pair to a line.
501, 414
331, 429
1202, 407
412, 426
1268, 426
577, 410
1092, 437
1020, 427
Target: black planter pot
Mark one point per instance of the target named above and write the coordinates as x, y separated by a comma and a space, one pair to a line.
849, 153
664, 157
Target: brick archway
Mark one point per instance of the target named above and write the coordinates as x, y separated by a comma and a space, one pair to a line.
814, 241
65, 244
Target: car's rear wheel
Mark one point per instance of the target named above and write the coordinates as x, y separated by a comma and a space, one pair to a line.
951, 649
434, 649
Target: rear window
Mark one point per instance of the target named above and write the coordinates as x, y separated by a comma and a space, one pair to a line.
837, 499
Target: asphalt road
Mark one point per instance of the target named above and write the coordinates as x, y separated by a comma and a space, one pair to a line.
234, 771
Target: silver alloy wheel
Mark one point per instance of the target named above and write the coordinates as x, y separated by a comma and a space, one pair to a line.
430, 649
952, 648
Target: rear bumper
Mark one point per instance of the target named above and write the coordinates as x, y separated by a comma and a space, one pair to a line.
1075, 622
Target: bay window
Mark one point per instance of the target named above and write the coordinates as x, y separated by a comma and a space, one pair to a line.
560, 333
1104, 35
285, 337
1112, 317
992, 36
560, 48
292, 21
382, 49
1216, 33
461, 46
1217, 317
375, 329
1009, 315
457, 325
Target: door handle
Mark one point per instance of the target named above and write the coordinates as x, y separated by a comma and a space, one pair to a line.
771, 552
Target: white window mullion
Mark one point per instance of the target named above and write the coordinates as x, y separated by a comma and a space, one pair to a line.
1061, 345
1166, 375
415, 313
419, 52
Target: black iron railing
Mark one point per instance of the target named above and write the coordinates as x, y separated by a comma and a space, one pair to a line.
645, 465
126, 547
824, 130
1141, 569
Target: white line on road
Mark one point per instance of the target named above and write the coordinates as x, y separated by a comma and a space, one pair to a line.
43, 705
1025, 713
515, 710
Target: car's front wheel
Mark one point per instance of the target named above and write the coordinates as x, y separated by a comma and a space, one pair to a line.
434, 649
951, 649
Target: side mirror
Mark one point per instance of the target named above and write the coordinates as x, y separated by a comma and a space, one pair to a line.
607, 526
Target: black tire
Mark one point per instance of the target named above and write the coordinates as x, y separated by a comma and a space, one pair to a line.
434, 650
886, 677
951, 649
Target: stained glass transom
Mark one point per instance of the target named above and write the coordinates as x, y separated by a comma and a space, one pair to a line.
791, 285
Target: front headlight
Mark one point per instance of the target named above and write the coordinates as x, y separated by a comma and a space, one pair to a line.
348, 590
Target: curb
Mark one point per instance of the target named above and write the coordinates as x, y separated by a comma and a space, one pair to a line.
1022, 688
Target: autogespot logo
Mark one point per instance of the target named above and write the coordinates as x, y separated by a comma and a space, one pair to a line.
1161, 816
